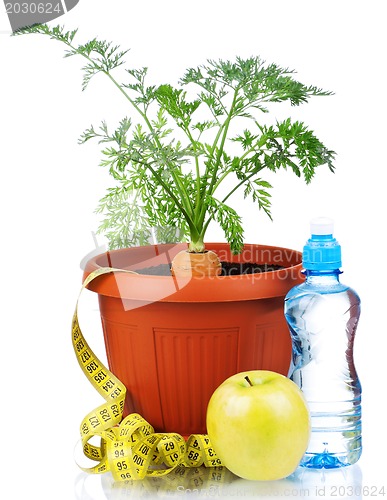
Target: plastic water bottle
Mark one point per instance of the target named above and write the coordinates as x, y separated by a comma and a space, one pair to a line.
322, 315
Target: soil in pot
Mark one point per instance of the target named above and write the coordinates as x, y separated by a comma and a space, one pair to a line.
228, 269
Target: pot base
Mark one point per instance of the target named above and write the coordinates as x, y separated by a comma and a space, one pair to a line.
171, 357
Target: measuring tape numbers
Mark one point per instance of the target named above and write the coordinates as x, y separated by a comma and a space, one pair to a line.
129, 447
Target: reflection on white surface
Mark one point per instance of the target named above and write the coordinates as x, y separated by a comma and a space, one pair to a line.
344, 483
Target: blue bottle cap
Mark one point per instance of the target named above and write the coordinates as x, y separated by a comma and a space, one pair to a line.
322, 252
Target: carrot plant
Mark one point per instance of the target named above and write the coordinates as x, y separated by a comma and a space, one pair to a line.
176, 157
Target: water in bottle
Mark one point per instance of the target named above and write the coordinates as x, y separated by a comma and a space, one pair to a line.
322, 315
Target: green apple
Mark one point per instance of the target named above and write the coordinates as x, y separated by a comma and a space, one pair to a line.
259, 425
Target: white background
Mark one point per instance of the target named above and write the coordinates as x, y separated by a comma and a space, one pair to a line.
50, 187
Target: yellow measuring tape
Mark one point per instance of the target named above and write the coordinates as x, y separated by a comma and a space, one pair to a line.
129, 447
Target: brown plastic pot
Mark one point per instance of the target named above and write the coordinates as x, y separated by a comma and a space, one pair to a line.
173, 341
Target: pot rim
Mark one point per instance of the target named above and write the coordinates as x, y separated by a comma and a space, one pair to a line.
150, 288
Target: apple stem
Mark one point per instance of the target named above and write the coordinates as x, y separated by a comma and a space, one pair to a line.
248, 380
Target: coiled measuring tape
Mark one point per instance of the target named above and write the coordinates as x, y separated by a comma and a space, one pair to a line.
129, 447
